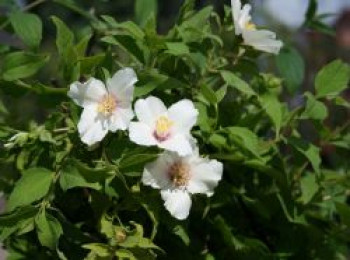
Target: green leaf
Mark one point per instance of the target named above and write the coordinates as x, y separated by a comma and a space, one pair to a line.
48, 229
344, 212
273, 108
32, 186
245, 139
235, 82
291, 66
209, 94
64, 37
177, 48
144, 9
310, 151
309, 188
19, 65
332, 79
28, 27
71, 177
20, 214
314, 109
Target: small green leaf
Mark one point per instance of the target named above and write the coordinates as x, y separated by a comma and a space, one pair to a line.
33, 185
64, 37
244, 138
28, 27
292, 67
314, 109
177, 48
48, 229
309, 188
332, 79
71, 177
144, 9
273, 108
235, 82
19, 65
209, 94
310, 151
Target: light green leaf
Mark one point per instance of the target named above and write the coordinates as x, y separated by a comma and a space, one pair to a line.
177, 48
245, 139
314, 109
332, 79
310, 151
64, 37
209, 94
144, 9
71, 177
19, 65
48, 229
273, 108
291, 66
28, 27
309, 188
235, 82
32, 186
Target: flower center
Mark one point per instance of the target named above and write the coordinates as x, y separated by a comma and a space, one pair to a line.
179, 174
163, 125
107, 105
250, 26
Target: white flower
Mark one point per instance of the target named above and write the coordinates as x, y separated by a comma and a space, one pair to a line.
167, 128
262, 40
178, 177
105, 108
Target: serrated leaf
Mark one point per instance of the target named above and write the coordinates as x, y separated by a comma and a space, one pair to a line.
32, 186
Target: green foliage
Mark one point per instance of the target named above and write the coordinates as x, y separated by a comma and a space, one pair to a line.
284, 192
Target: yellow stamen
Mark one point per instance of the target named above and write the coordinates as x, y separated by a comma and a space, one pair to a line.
163, 125
179, 174
107, 105
250, 26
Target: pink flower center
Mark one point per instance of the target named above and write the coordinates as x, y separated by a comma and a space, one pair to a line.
162, 128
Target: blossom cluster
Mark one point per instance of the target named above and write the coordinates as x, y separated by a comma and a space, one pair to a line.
179, 171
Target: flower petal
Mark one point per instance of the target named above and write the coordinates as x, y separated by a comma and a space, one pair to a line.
120, 119
140, 133
84, 94
179, 143
149, 109
262, 40
177, 202
155, 174
184, 114
205, 175
122, 84
91, 126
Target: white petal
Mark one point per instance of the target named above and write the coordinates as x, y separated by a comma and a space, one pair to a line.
179, 143
149, 109
177, 202
92, 127
155, 174
184, 114
122, 84
205, 175
84, 94
120, 120
140, 133
262, 40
